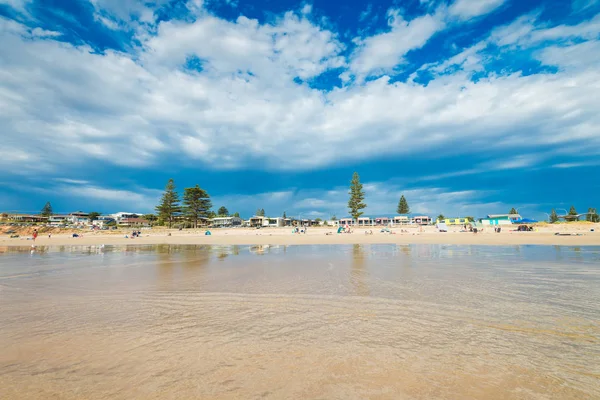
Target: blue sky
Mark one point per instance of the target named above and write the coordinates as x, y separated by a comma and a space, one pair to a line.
467, 107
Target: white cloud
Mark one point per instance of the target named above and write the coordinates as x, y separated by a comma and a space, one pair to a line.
379, 54
245, 109
467, 9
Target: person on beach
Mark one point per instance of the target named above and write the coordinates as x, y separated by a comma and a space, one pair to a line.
35, 234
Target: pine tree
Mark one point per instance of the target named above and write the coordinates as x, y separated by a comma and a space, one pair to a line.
262, 212
196, 204
403, 207
513, 211
223, 211
47, 210
284, 216
592, 215
357, 196
93, 216
572, 211
169, 204
553, 216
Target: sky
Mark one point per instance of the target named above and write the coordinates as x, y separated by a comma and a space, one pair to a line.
466, 107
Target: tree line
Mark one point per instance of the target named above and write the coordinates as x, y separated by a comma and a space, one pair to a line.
194, 206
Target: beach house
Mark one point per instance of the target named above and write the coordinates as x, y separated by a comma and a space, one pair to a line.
421, 220
454, 221
133, 223
401, 220
501, 219
258, 221
226, 222
29, 218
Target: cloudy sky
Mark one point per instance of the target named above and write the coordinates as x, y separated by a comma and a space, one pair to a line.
467, 107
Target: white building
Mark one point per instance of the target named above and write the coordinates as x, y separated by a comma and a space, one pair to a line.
225, 222
123, 215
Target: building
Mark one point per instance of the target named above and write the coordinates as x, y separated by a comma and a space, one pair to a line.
258, 221
401, 220
133, 222
103, 221
225, 222
382, 221
501, 219
22, 218
121, 215
275, 222
454, 221
421, 220
79, 218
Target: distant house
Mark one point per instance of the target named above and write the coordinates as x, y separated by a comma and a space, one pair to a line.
225, 222
453, 221
258, 221
382, 221
501, 219
26, 218
59, 219
421, 220
103, 221
122, 215
277, 222
133, 222
401, 220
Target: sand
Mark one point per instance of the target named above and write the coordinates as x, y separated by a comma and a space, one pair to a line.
545, 235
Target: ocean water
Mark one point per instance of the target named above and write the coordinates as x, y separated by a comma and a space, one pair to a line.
300, 322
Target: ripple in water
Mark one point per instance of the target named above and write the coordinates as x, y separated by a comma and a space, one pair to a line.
378, 321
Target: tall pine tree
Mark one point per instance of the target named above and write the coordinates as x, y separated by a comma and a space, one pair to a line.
169, 204
553, 216
357, 197
47, 210
512, 211
403, 207
196, 204
223, 212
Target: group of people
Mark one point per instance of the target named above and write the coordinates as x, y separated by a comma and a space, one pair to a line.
298, 230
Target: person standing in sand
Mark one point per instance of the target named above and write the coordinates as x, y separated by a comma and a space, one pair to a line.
35, 234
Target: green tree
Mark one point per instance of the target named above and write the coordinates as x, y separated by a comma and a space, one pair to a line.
512, 211
318, 219
441, 217
592, 215
260, 212
357, 197
223, 211
93, 216
150, 217
470, 219
403, 207
553, 216
212, 214
284, 216
333, 217
169, 204
196, 204
46, 210
236, 214
572, 211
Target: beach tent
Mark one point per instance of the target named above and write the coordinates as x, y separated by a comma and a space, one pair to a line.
340, 229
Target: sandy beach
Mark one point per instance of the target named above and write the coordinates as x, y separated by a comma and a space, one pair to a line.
580, 234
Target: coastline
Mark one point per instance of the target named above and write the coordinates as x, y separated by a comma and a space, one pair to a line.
315, 236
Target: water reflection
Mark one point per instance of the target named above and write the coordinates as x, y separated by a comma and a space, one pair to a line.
374, 321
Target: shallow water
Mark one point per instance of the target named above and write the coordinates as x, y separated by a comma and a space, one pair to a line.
378, 321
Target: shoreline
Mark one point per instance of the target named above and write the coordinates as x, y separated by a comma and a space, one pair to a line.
314, 237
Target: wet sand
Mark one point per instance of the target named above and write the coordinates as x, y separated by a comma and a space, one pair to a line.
288, 322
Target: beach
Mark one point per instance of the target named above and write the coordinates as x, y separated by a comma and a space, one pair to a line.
577, 234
